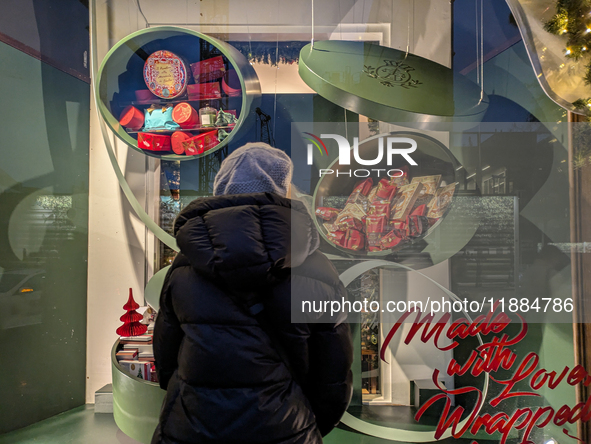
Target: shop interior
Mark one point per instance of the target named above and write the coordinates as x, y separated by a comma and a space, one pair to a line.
86, 214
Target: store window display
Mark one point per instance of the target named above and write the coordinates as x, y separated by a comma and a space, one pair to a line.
496, 216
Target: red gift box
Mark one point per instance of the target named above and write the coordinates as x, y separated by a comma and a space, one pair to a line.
416, 225
153, 142
177, 139
231, 84
364, 187
201, 143
375, 224
208, 69
379, 209
385, 192
390, 241
337, 237
421, 210
132, 118
354, 240
185, 115
203, 91
144, 96
326, 213
349, 222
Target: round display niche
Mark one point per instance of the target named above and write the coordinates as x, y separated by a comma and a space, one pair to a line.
165, 81
374, 214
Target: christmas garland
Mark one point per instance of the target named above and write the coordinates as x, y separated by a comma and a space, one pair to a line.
573, 20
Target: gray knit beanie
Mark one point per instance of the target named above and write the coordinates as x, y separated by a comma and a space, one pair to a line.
254, 168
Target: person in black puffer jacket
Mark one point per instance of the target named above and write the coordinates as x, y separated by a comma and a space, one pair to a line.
233, 376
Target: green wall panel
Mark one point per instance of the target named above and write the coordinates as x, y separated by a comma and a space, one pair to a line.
44, 123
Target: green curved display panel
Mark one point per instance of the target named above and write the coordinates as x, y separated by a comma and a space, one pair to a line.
136, 403
389, 85
113, 73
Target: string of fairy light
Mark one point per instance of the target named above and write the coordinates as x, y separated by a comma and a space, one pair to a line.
573, 20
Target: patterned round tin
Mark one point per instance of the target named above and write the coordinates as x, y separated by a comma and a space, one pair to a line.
165, 74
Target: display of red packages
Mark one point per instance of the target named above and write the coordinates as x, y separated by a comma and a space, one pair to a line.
177, 139
153, 142
337, 237
200, 143
354, 240
390, 240
375, 224
430, 183
132, 118
185, 115
204, 91
421, 210
404, 200
372, 194
326, 213
441, 201
416, 225
208, 69
385, 191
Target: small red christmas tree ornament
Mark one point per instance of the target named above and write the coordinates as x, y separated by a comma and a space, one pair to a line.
131, 325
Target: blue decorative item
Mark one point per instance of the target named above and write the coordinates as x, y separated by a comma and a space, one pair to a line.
159, 118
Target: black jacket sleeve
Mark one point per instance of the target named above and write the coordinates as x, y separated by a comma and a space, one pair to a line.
167, 336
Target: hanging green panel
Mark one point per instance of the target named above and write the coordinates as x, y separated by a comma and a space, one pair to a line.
389, 85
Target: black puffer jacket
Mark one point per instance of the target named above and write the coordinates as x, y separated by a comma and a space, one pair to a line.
226, 382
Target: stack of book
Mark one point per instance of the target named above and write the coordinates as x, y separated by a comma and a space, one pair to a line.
136, 356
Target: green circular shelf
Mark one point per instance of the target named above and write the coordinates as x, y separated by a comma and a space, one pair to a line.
433, 158
134, 48
389, 85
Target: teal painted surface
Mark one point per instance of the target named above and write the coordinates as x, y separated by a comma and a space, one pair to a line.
136, 403
43, 239
77, 426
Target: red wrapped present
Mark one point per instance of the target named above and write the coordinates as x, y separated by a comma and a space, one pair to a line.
326, 213
385, 191
231, 84
145, 96
349, 222
336, 237
153, 142
132, 118
354, 240
177, 139
421, 210
416, 225
390, 241
185, 115
201, 143
379, 209
204, 91
208, 69
375, 224
364, 187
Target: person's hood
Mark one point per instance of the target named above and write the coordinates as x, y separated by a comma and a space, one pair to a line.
245, 241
